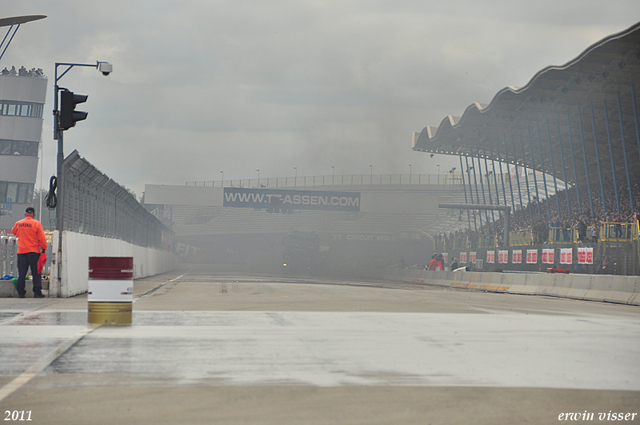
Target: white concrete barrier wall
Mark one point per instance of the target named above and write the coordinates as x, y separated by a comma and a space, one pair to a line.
609, 288
79, 247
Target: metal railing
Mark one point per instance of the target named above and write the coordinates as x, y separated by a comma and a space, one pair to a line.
521, 238
8, 256
618, 232
488, 241
340, 180
562, 235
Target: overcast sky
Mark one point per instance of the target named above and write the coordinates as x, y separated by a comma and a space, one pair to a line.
204, 86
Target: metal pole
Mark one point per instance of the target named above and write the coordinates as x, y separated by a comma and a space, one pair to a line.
486, 170
495, 179
624, 150
553, 170
58, 135
544, 172
595, 143
575, 168
635, 115
564, 171
613, 167
526, 177
10, 40
464, 189
475, 181
535, 179
504, 192
475, 224
515, 162
584, 153
484, 199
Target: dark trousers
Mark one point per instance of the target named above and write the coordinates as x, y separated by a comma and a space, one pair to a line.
26, 261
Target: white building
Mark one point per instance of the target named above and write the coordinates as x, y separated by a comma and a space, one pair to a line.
22, 99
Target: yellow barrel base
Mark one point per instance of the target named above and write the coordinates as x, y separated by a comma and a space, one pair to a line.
103, 313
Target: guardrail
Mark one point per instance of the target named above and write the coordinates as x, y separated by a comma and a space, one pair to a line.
562, 235
618, 232
340, 180
521, 238
601, 288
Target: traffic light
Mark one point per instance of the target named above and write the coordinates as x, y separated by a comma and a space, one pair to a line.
68, 114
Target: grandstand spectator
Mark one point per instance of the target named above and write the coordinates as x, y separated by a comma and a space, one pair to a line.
595, 232
433, 264
440, 262
581, 227
454, 264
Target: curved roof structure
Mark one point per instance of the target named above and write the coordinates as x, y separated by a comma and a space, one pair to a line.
568, 121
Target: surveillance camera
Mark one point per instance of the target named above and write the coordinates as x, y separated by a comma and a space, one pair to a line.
105, 68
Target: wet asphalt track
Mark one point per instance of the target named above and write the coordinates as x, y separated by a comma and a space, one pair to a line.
211, 347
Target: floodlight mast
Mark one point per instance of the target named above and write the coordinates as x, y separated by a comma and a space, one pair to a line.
106, 68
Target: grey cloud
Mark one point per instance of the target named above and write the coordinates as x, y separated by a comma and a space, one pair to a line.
199, 86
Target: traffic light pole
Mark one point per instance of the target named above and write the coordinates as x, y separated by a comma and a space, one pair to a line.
106, 69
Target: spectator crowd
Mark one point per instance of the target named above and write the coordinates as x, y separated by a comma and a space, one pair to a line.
23, 72
539, 216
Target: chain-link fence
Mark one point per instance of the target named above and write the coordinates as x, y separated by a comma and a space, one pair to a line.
96, 205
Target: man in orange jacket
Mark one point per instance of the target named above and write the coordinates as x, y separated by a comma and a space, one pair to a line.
31, 240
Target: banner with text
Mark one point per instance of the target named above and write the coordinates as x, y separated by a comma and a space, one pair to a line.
285, 199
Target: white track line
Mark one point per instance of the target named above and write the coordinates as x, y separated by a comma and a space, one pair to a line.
27, 375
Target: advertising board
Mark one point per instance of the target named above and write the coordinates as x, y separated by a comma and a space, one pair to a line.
285, 199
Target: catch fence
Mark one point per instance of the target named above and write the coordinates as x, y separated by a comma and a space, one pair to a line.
96, 205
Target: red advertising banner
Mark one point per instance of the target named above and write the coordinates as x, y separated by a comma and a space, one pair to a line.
503, 256
516, 256
472, 257
491, 257
585, 255
463, 258
566, 255
532, 256
547, 255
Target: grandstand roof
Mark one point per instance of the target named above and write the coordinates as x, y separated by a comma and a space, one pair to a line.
562, 107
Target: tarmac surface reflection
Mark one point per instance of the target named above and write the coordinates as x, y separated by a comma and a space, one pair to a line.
337, 348
321, 351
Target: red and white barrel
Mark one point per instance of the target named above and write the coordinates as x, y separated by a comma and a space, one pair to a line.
110, 293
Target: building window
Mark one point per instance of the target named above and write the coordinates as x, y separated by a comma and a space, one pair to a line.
16, 193
13, 108
18, 147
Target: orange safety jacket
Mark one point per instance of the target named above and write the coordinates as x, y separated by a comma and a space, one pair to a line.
30, 235
433, 264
